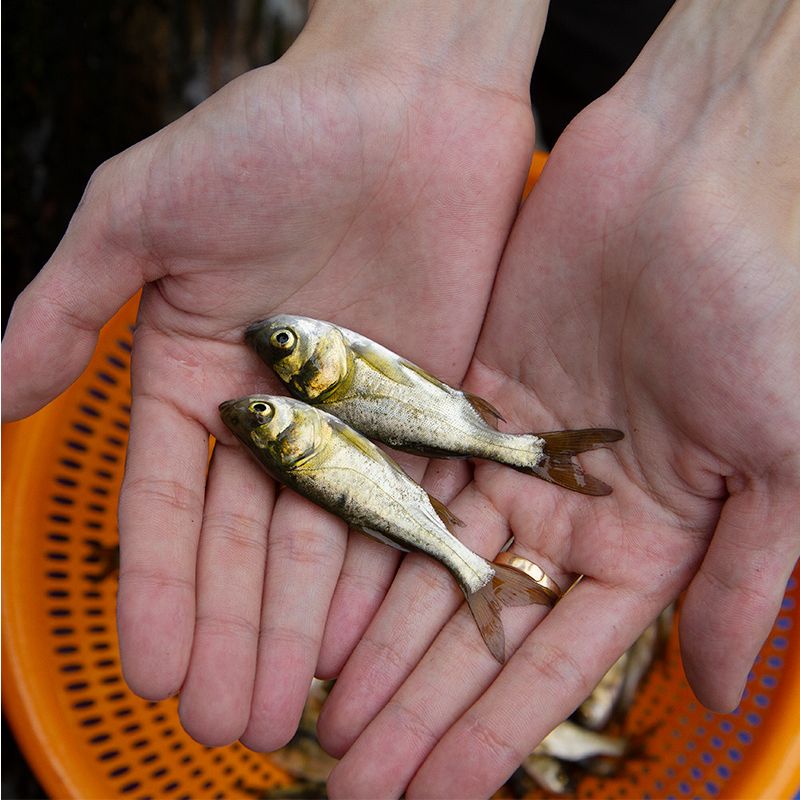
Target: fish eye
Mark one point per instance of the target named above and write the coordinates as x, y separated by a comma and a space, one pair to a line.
283, 340
262, 410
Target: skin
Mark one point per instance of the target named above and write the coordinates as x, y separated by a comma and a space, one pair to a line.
651, 279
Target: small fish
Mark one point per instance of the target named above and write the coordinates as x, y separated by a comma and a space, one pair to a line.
304, 758
596, 710
396, 402
340, 470
571, 742
640, 658
549, 773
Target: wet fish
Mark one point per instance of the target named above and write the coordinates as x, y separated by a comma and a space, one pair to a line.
388, 398
640, 658
597, 709
572, 742
549, 773
325, 460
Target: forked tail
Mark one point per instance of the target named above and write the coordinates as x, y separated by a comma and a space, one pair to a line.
557, 464
508, 587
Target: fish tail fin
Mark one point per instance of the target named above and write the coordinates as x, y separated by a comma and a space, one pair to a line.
557, 464
507, 587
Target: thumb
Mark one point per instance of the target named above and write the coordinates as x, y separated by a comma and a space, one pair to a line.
99, 264
733, 601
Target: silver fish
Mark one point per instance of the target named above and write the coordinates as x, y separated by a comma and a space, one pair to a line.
388, 398
549, 773
336, 467
571, 742
596, 710
640, 658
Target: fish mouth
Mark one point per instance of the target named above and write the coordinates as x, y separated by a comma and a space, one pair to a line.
252, 330
227, 406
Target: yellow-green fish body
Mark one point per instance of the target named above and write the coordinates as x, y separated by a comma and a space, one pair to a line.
388, 398
325, 460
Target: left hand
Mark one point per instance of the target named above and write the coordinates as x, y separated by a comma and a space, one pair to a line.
370, 177
654, 288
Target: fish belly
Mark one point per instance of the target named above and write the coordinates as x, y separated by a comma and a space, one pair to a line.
380, 500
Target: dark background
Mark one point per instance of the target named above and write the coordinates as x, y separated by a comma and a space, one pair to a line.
85, 79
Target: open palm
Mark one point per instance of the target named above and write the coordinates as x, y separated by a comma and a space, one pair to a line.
635, 292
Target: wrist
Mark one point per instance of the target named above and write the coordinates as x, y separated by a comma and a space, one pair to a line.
485, 44
711, 54
717, 84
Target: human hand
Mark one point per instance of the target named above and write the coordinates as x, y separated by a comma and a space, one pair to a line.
651, 283
369, 177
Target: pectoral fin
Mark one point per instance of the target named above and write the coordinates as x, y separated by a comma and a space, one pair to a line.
383, 361
367, 447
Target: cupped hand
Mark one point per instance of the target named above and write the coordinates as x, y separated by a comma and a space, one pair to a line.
651, 284
364, 179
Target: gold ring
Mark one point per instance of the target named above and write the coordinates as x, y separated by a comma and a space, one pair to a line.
531, 570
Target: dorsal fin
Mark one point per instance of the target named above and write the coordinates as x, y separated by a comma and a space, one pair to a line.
449, 519
487, 412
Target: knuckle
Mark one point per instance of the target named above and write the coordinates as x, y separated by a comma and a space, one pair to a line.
237, 532
227, 625
296, 641
303, 546
552, 668
483, 743
154, 493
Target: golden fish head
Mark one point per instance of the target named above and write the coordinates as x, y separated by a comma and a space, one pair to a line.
283, 432
311, 357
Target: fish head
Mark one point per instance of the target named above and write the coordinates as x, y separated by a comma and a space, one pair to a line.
282, 432
311, 358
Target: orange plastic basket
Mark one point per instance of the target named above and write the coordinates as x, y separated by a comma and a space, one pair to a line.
87, 736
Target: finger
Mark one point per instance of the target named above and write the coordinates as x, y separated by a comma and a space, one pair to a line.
368, 571
216, 696
53, 327
306, 547
735, 597
457, 669
366, 575
160, 512
550, 674
422, 598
